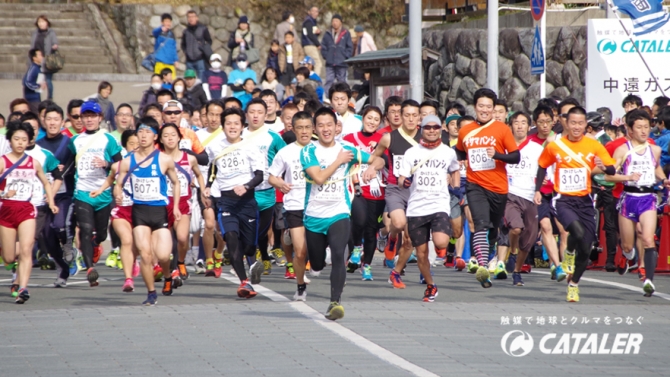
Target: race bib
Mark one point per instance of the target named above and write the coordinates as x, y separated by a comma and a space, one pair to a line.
23, 187
127, 201
572, 179
297, 176
329, 192
232, 164
183, 186
185, 144
62, 189
430, 182
647, 176
86, 169
39, 196
397, 164
362, 170
463, 169
521, 174
146, 189
479, 160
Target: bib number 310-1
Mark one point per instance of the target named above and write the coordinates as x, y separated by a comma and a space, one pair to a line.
572, 179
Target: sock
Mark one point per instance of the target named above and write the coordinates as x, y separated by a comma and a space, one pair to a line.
451, 248
481, 247
152, 292
218, 255
209, 260
302, 287
650, 260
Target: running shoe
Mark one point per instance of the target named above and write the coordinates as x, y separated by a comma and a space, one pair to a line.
624, 261
111, 258
60, 283
396, 280
511, 263
367, 272
560, 274
22, 296
209, 270
501, 271
335, 311
306, 279
258, 254
226, 257
300, 294
329, 261
128, 285
245, 290
610, 267
422, 280
97, 253
308, 266
167, 287
10, 266
484, 277
381, 241
441, 253
119, 264
158, 274
290, 272
356, 256
390, 249
69, 253
314, 274
136, 269
255, 272
648, 288
389, 263
573, 293
92, 277
430, 293
525, 268
280, 257
287, 237
553, 272
642, 274
459, 264
267, 267
200, 267
541, 263
152, 299
183, 272
412, 258
176, 279
76, 266
516, 277
14, 290
493, 265
569, 263
218, 267
473, 265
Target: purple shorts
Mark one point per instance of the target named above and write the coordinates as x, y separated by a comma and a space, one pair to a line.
631, 207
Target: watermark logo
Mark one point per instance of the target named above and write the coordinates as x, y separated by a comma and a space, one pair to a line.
520, 345
606, 46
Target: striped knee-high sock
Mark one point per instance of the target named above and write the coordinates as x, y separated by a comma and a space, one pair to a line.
481, 246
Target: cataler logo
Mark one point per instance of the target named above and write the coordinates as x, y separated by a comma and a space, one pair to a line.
606, 46
521, 344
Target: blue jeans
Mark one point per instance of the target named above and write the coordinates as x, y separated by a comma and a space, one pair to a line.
198, 66
334, 74
50, 86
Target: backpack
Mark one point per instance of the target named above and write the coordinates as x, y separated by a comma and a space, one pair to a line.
54, 61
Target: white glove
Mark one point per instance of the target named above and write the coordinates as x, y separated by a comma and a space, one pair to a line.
375, 189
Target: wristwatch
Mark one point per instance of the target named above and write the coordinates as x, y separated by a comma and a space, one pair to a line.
246, 187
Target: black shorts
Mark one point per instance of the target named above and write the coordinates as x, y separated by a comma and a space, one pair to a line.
279, 223
487, 208
293, 219
421, 227
212, 200
239, 215
155, 217
577, 208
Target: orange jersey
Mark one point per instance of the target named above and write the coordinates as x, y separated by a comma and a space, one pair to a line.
572, 177
189, 140
486, 172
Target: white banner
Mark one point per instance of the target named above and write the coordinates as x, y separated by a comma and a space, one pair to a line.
615, 70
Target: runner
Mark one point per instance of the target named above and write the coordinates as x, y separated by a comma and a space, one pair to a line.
74, 118
640, 170
328, 166
287, 175
425, 172
238, 169
122, 214
575, 159
339, 95
148, 170
397, 143
268, 143
17, 215
95, 150
368, 204
520, 221
488, 145
187, 167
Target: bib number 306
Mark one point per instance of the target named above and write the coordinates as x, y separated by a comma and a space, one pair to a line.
479, 160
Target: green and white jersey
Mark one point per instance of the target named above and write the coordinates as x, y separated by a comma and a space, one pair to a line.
330, 202
268, 143
87, 146
49, 163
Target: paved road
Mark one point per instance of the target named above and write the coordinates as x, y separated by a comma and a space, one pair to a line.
204, 330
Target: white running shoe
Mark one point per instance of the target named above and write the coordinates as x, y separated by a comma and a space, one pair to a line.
328, 260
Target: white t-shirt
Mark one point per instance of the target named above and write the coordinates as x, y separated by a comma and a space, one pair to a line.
351, 124
235, 168
203, 134
521, 176
267, 144
289, 54
288, 161
429, 192
276, 126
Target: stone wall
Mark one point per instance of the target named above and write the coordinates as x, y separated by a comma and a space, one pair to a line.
461, 68
136, 22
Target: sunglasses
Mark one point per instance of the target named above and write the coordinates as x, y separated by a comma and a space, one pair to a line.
176, 112
432, 127
75, 117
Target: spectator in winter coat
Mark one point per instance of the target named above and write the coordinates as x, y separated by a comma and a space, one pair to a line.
310, 38
286, 24
196, 36
308, 63
45, 40
214, 81
149, 95
31, 89
273, 56
290, 56
165, 47
336, 47
107, 107
238, 77
241, 40
365, 41
196, 93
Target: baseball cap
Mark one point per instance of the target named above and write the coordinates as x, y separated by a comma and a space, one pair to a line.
431, 119
595, 120
172, 102
189, 74
307, 60
358, 28
242, 57
215, 57
91, 106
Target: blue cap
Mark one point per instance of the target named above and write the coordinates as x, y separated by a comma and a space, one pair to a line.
307, 60
91, 106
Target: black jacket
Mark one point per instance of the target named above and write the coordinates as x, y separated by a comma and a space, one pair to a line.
193, 37
308, 36
197, 96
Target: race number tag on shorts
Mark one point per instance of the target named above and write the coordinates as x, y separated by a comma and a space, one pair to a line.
183, 185
397, 163
479, 160
572, 179
146, 189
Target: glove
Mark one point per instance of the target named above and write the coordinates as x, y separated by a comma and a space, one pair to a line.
407, 182
375, 189
357, 190
456, 192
